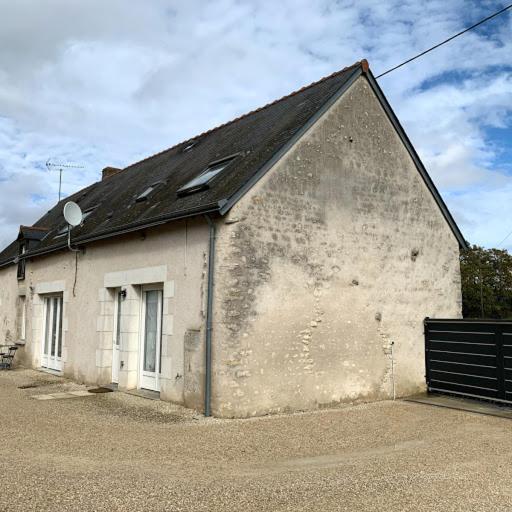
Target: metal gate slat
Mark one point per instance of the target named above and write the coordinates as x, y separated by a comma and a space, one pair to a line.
467, 393
467, 348
469, 357
462, 357
460, 386
465, 326
470, 369
469, 337
465, 379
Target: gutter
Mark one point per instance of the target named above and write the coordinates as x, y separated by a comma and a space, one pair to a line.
8, 262
122, 230
209, 311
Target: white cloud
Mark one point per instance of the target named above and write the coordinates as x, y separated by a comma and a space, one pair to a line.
486, 212
106, 83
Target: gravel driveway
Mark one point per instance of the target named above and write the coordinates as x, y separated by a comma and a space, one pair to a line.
115, 451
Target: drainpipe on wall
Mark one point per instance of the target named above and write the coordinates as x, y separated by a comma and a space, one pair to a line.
209, 307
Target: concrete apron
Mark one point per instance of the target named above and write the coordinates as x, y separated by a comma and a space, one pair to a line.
462, 404
142, 393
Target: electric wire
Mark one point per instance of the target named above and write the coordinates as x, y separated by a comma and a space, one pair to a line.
446, 41
506, 238
484, 20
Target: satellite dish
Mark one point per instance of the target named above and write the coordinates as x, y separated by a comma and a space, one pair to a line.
72, 214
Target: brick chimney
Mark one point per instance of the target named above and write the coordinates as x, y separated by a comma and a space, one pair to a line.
109, 171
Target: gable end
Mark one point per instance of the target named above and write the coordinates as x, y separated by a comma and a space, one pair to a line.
231, 201
416, 159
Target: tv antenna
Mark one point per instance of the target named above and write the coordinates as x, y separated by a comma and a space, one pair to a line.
60, 167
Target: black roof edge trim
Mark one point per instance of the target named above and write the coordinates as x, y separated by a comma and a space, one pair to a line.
229, 203
419, 164
396, 124
221, 204
128, 228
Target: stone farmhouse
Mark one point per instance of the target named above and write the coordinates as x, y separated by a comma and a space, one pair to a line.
283, 261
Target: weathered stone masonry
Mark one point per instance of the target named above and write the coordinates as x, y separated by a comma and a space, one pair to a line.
338, 251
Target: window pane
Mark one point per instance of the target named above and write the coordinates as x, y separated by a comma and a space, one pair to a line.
145, 194
22, 315
54, 325
47, 326
151, 331
205, 177
59, 345
118, 320
161, 313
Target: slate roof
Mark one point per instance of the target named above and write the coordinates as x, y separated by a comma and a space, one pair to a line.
255, 138
9, 253
32, 232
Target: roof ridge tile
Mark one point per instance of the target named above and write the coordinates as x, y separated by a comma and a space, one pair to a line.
363, 63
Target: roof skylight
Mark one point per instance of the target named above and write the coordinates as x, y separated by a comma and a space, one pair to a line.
189, 146
144, 196
202, 181
86, 214
64, 229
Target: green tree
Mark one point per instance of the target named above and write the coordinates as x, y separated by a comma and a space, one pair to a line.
486, 283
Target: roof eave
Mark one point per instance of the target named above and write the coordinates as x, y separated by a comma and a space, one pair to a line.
8, 262
126, 229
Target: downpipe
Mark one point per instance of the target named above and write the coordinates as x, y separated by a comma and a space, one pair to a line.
393, 369
209, 308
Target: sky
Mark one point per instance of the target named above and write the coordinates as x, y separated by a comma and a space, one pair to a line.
106, 83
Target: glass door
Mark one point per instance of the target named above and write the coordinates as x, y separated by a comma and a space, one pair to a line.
51, 356
150, 357
116, 341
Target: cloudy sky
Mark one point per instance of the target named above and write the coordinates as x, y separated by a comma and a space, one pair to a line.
109, 82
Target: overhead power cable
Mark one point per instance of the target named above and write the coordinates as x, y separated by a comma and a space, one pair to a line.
446, 40
506, 238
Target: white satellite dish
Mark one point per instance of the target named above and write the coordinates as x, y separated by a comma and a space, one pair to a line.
72, 214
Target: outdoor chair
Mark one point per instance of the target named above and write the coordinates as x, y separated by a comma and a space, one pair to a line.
6, 356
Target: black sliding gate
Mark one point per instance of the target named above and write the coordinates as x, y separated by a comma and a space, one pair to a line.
472, 358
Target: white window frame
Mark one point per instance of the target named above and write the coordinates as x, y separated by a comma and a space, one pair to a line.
23, 319
142, 332
48, 361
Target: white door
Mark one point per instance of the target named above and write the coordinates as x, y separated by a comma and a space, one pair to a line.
116, 341
151, 338
51, 350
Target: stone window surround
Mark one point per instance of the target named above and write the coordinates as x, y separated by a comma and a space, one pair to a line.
21, 316
132, 281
